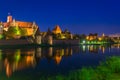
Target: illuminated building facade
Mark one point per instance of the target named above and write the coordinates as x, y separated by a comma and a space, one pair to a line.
29, 27
92, 36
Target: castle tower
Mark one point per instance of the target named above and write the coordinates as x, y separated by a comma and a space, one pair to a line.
9, 18
103, 35
57, 30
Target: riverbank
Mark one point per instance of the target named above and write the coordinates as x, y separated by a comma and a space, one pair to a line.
109, 70
18, 43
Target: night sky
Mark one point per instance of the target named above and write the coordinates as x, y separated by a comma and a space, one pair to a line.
78, 16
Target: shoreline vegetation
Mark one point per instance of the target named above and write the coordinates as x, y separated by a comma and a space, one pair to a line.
109, 70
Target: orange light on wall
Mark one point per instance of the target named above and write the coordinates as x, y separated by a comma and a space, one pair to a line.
91, 38
87, 37
99, 38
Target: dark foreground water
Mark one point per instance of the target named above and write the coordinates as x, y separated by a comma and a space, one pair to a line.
34, 63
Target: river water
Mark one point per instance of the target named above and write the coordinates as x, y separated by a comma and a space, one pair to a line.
33, 63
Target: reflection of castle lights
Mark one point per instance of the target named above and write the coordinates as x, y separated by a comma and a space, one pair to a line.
67, 51
91, 48
29, 59
8, 70
17, 55
62, 52
103, 49
88, 47
118, 46
38, 53
58, 59
50, 51
83, 47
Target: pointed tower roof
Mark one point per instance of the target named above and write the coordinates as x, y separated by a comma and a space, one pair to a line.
57, 29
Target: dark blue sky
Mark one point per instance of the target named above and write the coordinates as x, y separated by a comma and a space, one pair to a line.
79, 16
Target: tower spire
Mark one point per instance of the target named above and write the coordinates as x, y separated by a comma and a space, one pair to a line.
9, 18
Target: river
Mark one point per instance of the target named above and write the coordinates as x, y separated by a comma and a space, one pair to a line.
33, 63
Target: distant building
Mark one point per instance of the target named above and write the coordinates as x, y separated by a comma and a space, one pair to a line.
114, 35
92, 36
57, 30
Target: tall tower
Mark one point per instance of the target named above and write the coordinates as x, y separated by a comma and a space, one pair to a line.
103, 35
9, 18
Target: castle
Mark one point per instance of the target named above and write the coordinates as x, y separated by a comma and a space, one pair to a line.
30, 28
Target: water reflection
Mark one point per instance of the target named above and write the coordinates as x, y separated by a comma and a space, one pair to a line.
115, 46
93, 48
12, 60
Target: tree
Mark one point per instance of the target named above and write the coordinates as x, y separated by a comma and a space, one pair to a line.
13, 32
23, 32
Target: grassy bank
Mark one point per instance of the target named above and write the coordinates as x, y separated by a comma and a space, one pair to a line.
109, 70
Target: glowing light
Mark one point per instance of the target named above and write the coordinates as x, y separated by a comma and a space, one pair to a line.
58, 59
63, 37
84, 42
87, 37
99, 39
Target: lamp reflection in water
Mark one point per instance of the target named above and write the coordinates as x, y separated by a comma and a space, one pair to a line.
90, 48
84, 48
103, 50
